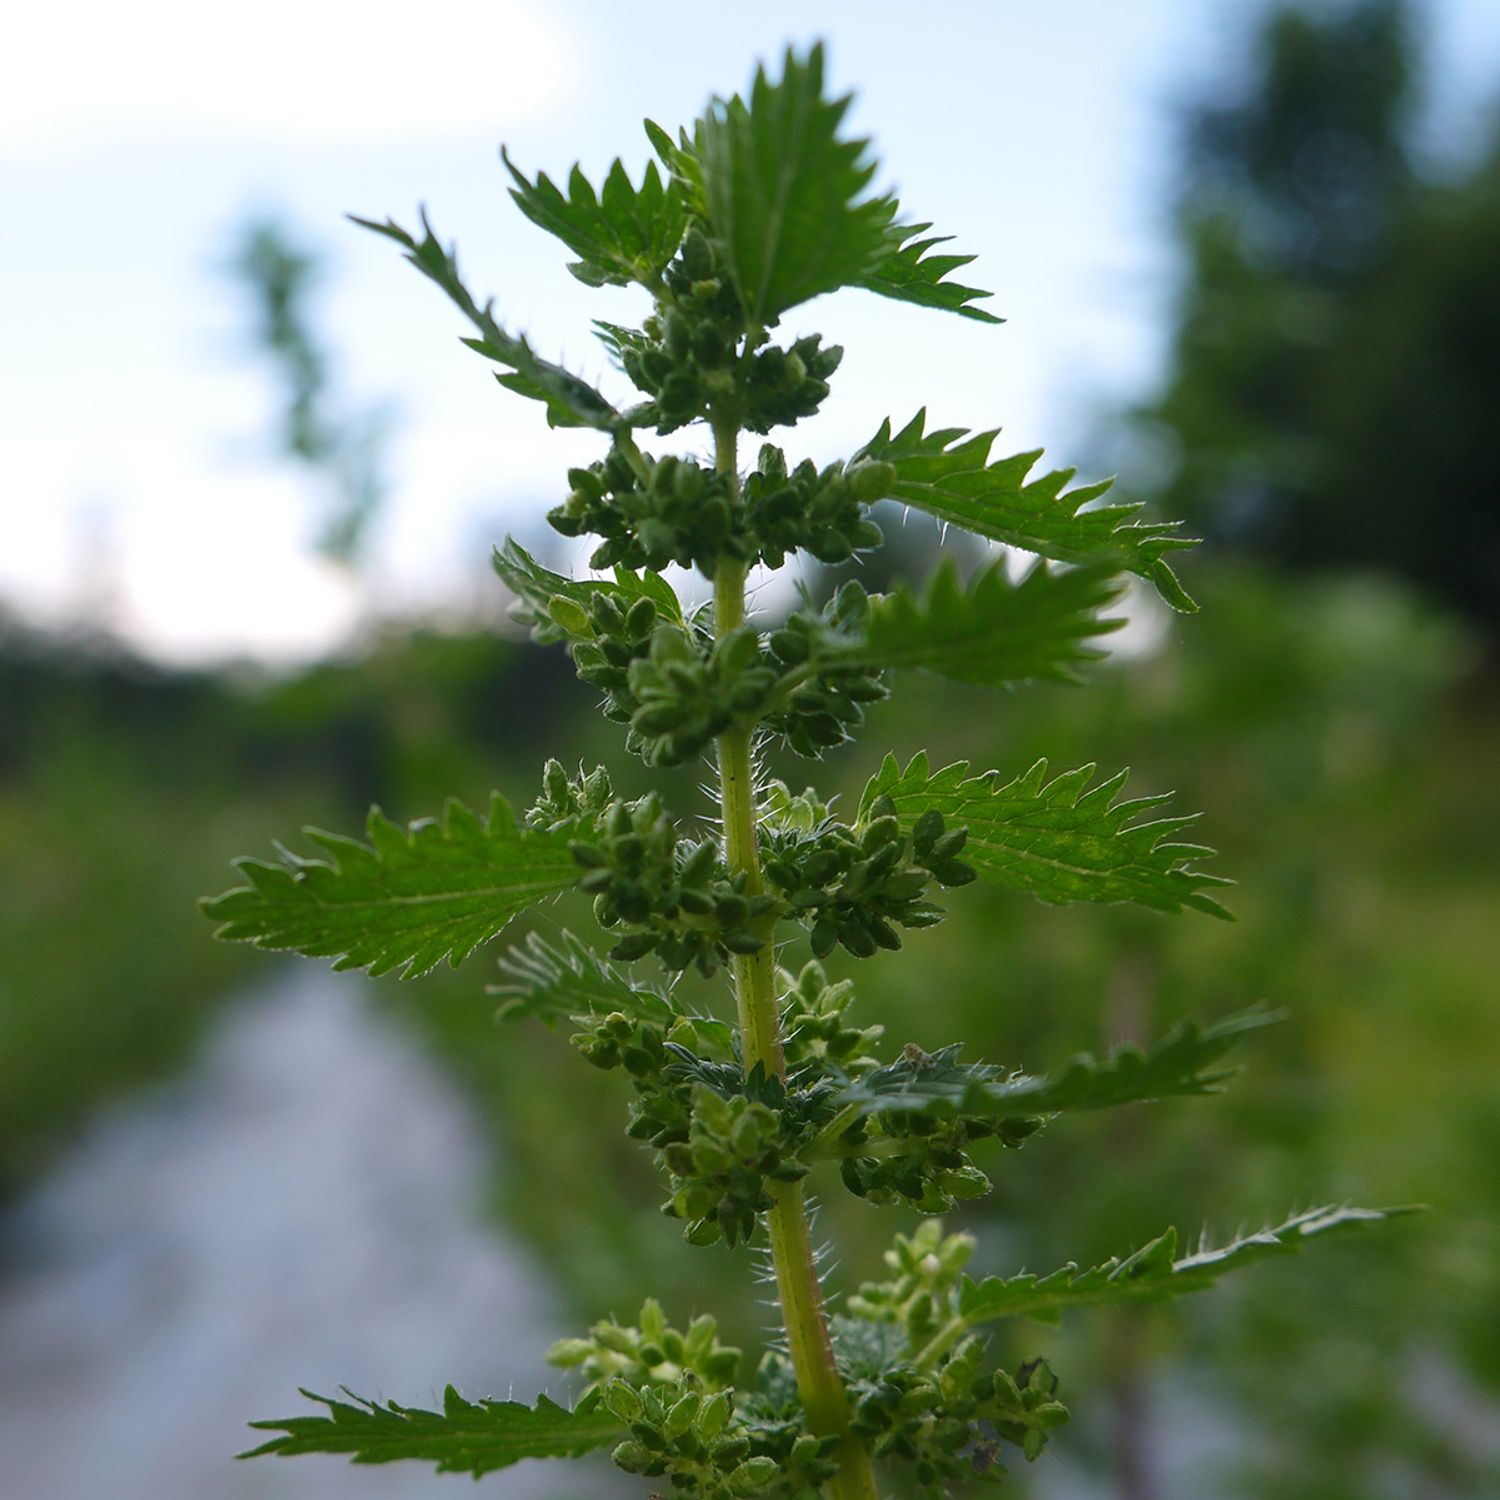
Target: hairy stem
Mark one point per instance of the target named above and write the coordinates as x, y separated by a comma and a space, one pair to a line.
818, 1380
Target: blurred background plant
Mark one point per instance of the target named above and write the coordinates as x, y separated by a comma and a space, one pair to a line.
1326, 418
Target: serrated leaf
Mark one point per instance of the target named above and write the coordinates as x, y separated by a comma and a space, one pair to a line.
622, 234
466, 1437
407, 900
912, 273
1153, 1273
535, 586
938, 1084
680, 158
993, 631
569, 980
570, 401
786, 196
1060, 840
572, 980
949, 474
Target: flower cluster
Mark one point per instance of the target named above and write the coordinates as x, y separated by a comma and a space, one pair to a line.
941, 1422
722, 1174
650, 1352
917, 1159
671, 897
695, 352
681, 1433
815, 1025
687, 691
681, 357
607, 639
913, 1399
855, 887
822, 512
679, 512
822, 704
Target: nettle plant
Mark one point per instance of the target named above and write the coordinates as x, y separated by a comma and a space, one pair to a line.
759, 207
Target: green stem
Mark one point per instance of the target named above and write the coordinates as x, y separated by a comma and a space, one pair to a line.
941, 1342
633, 455
818, 1381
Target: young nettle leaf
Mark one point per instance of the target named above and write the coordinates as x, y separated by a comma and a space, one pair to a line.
912, 273
681, 157
786, 195
1060, 840
992, 631
940, 1086
948, 473
622, 234
407, 900
570, 401
1153, 1273
466, 1437
760, 206
570, 979
538, 591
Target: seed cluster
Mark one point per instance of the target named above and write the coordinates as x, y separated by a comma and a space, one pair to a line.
687, 692
677, 687
674, 1391
671, 897
570, 801
928, 1165
819, 512
916, 1156
680, 512
722, 1174
695, 351
939, 1423
607, 639
698, 1443
651, 512
681, 1433
824, 705
722, 1150
946, 1416
856, 888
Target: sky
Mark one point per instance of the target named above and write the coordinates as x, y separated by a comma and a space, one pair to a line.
140, 478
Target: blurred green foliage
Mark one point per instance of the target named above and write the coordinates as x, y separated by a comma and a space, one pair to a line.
1335, 362
338, 443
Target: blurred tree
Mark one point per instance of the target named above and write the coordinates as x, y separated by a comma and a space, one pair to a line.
1335, 368
344, 447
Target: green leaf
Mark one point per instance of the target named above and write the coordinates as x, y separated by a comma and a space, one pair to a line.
466, 1437
1059, 840
911, 273
786, 196
1153, 1273
571, 980
681, 159
948, 474
993, 631
570, 401
938, 1084
622, 234
536, 586
407, 900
